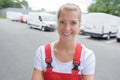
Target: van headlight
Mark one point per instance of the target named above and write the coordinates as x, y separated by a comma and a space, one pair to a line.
49, 25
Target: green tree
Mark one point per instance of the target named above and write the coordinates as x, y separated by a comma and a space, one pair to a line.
14, 3
23, 3
5, 3
106, 6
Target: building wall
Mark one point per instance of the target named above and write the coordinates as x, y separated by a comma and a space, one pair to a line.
3, 11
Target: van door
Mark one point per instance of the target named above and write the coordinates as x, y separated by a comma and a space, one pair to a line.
39, 22
114, 29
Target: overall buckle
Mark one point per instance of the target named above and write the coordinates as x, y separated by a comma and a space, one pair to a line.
48, 62
76, 64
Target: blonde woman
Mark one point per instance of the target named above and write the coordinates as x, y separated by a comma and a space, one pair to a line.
65, 58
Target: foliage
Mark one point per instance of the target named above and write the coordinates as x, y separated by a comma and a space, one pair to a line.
13, 3
24, 4
106, 6
2, 17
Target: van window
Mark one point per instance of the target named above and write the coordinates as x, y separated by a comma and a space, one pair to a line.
48, 18
113, 26
40, 18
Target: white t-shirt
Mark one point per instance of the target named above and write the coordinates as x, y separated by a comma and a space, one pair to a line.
86, 67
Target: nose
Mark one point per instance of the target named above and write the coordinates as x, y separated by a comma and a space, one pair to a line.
67, 26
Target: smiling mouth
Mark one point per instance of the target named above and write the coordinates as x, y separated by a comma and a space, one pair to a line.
66, 34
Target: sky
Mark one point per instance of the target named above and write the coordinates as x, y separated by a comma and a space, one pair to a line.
53, 5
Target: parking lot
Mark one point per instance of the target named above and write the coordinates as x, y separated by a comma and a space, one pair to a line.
18, 44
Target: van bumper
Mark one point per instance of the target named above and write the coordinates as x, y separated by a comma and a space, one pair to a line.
93, 34
104, 35
49, 28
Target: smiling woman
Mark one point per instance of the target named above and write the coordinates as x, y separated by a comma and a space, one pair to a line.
65, 58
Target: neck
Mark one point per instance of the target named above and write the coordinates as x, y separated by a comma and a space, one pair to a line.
66, 45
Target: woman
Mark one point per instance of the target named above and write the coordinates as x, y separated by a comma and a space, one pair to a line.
65, 58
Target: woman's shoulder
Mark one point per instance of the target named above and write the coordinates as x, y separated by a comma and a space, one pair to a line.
87, 51
42, 46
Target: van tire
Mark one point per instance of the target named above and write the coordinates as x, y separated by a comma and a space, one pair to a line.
108, 36
92, 36
31, 27
52, 30
118, 40
43, 29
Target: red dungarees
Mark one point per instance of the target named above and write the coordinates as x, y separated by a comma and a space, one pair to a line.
50, 75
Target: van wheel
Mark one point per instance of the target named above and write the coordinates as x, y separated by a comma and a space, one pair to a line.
92, 36
43, 29
31, 27
108, 36
52, 30
118, 40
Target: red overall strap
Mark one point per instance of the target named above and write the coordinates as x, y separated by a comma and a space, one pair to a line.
77, 57
48, 58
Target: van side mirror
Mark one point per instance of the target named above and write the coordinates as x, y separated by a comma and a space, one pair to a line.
40, 18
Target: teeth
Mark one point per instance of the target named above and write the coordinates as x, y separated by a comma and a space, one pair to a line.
66, 34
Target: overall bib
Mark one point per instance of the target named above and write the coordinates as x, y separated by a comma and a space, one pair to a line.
50, 75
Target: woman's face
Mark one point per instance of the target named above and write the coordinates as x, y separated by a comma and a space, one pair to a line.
68, 24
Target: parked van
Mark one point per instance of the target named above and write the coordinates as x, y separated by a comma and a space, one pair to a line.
118, 34
14, 16
83, 19
101, 25
41, 20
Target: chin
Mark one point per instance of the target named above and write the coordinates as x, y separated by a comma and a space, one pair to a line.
67, 38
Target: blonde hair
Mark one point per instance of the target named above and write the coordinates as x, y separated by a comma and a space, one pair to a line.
69, 7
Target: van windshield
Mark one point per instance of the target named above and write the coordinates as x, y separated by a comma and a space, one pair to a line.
49, 18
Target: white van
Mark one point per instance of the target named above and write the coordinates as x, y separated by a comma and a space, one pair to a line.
14, 16
101, 25
41, 20
118, 34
